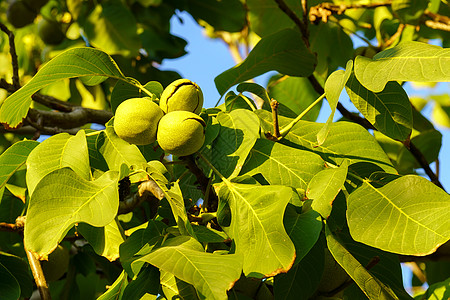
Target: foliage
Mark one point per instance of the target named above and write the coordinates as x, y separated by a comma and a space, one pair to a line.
271, 199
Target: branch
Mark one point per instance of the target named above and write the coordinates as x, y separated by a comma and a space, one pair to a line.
79, 116
437, 21
203, 181
300, 24
12, 51
324, 10
418, 155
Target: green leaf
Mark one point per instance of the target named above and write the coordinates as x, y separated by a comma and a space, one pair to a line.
283, 51
62, 199
8, 284
409, 61
56, 152
18, 268
222, 15
409, 215
437, 291
409, 11
254, 88
116, 151
91, 64
324, 187
345, 141
185, 258
266, 17
370, 285
303, 229
302, 280
13, 158
283, 165
173, 196
389, 111
145, 286
239, 130
105, 240
174, 288
115, 291
257, 226
388, 269
112, 27
333, 87
296, 93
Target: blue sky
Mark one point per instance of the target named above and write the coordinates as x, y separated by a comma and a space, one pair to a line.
207, 58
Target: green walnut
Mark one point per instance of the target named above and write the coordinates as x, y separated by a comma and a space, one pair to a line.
181, 133
136, 120
50, 32
19, 15
182, 94
56, 265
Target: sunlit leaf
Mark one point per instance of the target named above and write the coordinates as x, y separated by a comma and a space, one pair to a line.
409, 215
91, 64
116, 151
283, 52
345, 141
389, 110
185, 258
257, 226
437, 291
58, 151
280, 164
105, 240
115, 291
62, 199
324, 187
333, 87
370, 285
303, 229
409, 61
239, 130
174, 288
13, 158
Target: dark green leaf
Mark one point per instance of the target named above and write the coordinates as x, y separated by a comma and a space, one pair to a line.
283, 51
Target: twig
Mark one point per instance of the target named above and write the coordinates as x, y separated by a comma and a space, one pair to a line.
203, 181
38, 275
276, 128
423, 163
437, 21
12, 51
291, 14
395, 36
324, 10
10, 227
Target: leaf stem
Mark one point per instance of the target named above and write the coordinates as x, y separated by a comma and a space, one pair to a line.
213, 168
288, 127
276, 127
